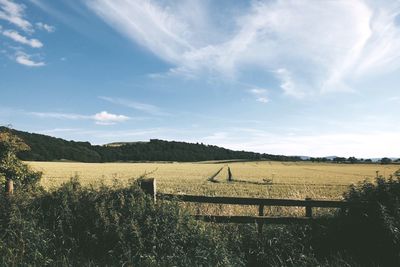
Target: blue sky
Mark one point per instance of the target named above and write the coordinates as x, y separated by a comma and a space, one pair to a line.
313, 78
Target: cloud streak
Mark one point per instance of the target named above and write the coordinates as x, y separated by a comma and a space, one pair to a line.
101, 118
17, 37
308, 47
143, 107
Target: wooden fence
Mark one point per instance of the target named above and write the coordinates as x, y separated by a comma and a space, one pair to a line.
149, 185
308, 204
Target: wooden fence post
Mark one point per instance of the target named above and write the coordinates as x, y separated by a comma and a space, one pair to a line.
308, 209
9, 187
260, 223
149, 186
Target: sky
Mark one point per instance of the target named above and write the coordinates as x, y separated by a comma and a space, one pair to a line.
315, 78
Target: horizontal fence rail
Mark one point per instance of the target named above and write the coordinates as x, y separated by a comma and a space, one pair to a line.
254, 219
262, 201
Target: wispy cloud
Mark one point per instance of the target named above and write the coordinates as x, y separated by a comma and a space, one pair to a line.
26, 60
144, 107
15, 14
17, 37
260, 94
101, 118
45, 27
56, 115
132, 17
287, 84
310, 47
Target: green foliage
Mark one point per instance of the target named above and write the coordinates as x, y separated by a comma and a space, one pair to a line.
371, 234
10, 166
120, 226
82, 226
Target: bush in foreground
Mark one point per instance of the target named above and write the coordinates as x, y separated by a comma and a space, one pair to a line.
81, 226
370, 234
121, 226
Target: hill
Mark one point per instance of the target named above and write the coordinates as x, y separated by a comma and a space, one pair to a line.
47, 148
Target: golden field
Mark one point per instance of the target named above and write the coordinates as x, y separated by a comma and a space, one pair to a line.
266, 179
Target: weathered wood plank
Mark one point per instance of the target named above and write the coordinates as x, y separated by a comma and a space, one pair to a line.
308, 209
261, 201
254, 219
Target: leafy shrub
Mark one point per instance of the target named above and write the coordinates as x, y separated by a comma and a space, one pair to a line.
370, 234
10, 166
81, 226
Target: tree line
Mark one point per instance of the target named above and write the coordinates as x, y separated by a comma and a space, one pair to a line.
353, 160
47, 148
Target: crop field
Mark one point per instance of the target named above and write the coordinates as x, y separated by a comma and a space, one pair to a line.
264, 179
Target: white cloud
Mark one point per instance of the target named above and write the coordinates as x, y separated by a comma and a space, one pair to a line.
45, 27
105, 118
25, 59
133, 17
15, 36
101, 118
263, 99
260, 94
148, 108
310, 47
287, 84
14, 14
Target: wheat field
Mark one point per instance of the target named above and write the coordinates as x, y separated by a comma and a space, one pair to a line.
264, 179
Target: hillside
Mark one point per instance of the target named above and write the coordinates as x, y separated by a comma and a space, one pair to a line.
47, 148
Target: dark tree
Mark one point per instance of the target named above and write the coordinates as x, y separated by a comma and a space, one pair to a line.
386, 161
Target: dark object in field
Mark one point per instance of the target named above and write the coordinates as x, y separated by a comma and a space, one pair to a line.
212, 178
230, 178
